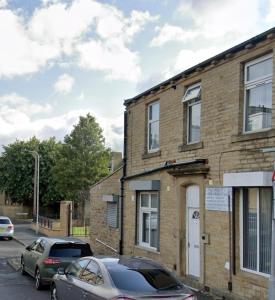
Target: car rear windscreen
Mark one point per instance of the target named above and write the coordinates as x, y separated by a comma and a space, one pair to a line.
70, 250
4, 221
146, 280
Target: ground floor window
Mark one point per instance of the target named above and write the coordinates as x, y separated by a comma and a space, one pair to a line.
256, 229
148, 224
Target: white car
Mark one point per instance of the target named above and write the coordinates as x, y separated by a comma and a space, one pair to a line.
6, 228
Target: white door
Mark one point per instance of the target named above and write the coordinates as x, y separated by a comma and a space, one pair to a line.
193, 231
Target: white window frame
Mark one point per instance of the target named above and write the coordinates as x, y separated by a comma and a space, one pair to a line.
258, 236
249, 84
148, 126
191, 102
147, 210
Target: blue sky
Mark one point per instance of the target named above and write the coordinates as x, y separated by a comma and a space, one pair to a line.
62, 59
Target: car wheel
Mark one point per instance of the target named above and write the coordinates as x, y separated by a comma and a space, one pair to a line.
53, 292
10, 238
38, 280
22, 269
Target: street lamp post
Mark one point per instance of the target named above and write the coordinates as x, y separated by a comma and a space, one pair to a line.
36, 186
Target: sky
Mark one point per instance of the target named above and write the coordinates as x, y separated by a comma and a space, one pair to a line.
60, 59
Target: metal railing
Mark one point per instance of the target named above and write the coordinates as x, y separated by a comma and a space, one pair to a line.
106, 245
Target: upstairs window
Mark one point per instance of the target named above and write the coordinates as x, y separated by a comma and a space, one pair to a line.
153, 127
192, 97
258, 94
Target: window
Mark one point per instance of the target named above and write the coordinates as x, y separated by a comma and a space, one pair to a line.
70, 250
77, 267
148, 220
112, 214
92, 274
258, 94
193, 98
256, 229
153, 127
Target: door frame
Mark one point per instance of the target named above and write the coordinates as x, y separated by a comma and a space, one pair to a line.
195, 204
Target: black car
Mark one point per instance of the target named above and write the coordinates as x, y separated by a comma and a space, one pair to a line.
44, 256
128, 278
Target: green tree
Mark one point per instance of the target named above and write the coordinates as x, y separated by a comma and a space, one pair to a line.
17, 169
83, 160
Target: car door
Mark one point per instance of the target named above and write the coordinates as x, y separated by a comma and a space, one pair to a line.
68, 285
36, 255
92, 286
29, 256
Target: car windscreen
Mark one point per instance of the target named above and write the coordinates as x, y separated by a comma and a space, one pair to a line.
5, 221
70, 250
145, 280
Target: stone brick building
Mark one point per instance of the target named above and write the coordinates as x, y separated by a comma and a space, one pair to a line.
197, 179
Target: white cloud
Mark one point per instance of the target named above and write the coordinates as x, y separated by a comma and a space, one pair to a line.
3, 3
60, 32
169, 33
112, 57
189, 58
18, 119
214, 18
64, 84
271, 12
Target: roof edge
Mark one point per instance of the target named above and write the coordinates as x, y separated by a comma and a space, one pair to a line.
256, 39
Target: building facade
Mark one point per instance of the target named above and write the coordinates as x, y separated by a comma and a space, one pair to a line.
197, 188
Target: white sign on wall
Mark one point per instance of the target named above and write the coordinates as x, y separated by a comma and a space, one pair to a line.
217, 198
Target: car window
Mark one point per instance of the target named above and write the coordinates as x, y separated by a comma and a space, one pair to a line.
147, 280
40, 247
70, 250
77, 267
92, 274
5, 221
33, 245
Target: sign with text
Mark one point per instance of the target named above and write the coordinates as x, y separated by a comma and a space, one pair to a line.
218, 198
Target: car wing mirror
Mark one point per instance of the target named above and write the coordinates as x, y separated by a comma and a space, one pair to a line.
28, 248
60, 271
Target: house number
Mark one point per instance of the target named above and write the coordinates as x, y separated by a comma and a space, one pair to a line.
196, 214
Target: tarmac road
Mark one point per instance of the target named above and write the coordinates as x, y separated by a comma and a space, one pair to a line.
13, 285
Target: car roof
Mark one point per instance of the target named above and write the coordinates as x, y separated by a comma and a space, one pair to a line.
62, 240
133, 262
3, 217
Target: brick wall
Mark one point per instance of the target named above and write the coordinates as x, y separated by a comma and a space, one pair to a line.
225, 148
99, 228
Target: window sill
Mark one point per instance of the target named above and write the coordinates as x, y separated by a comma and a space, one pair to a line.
252, 136
189, 147
248, 271
151, 154
147, 249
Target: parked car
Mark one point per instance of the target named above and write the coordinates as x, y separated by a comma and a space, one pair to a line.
6, 228
45, 255
128, 278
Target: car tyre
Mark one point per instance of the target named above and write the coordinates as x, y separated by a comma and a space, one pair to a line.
10, 238
53, 292
22, 269
38, 280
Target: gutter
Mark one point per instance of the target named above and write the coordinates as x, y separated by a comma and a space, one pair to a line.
122, 180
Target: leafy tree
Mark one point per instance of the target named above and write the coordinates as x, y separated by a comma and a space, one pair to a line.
83, 160
17, 169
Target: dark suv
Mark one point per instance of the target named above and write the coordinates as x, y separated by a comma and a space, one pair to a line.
44, 256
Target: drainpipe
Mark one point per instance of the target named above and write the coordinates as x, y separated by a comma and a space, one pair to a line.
122, 180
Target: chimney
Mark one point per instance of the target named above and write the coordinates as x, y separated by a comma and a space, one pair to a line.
116, 160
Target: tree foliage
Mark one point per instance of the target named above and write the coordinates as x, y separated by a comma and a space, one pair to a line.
65, 169
17, 170
83, 158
